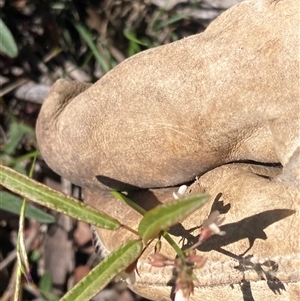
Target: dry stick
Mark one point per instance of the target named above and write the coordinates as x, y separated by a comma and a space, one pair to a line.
11, 286
12, 255
23, 81
13, 86
8, 259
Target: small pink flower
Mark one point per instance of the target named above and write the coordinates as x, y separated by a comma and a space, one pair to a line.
181, 296
159, 260
197, 260
185, 280
211, 226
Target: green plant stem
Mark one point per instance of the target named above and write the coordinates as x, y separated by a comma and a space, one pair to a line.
120, 196
194, 246
130, 229
142, 211
87, 36
22, 259
173, 244
21, 158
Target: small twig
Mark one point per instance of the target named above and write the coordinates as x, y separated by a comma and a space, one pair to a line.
8, 259
13, 86
11, 286
130, 229
12, 255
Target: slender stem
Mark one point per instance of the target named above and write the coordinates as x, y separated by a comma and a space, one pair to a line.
142, 211
26, 156
194, 246
129, 202
130, 229
173, 244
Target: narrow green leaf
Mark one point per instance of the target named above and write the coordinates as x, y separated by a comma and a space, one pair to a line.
14, 139
45, 288
58, 5
45, 283
164, 216
120, 196
12, 203
142, 211
35, 255
22, 258
130, 35
55, 200
16, 132
87, 36
172, 243
23, 262
7, 42
105, 271
172, 20
16, 163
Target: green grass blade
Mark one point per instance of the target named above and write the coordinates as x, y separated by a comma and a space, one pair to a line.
172, 20
45, 283
12, 203
55, 200
130, 35
105, 271
87, 36
15, 138
7, 42
16, 132
22, 258
164, 216
23, 261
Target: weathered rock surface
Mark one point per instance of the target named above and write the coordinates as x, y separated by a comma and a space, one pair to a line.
187, 109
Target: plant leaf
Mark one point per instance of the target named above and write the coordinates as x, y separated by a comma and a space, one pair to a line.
16, 131
105, 271
120, 196
166, 215
12, 203
172, 20
142, 211
23, 262
130, 35
87, 36
45, 283
7, 42
55, 200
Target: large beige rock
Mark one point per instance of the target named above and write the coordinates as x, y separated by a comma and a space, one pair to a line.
171, 113
258, 258
187, 109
